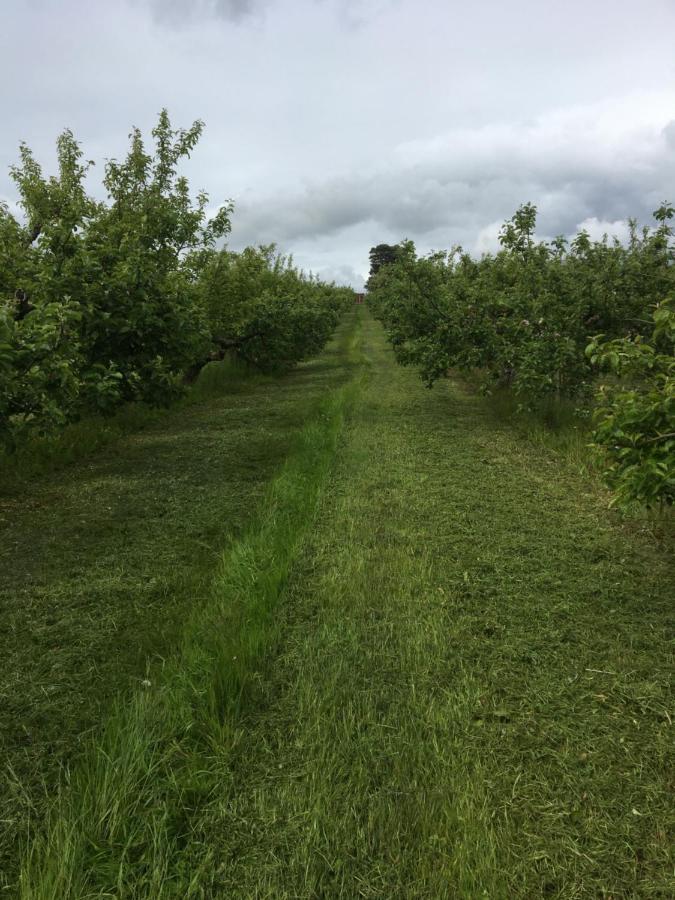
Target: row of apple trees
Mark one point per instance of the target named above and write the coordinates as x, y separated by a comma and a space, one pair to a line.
591, 321
126, 299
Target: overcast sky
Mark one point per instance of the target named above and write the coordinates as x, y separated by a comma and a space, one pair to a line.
335, 125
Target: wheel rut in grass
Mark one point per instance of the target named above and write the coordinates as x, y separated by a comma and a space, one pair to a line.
471, 692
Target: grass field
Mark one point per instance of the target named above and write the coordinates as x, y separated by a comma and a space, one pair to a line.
421, 659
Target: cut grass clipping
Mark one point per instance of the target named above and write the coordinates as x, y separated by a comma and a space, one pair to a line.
118, 825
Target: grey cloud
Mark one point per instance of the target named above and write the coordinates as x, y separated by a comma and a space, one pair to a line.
343, 275
176, 12
446, 191
352, 14
356, 14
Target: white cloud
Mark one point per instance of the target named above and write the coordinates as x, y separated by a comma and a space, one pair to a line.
488, 239
597, 229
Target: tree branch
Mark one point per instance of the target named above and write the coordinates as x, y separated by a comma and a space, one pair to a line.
223, 345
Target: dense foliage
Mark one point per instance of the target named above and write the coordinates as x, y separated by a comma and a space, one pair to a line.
636, 412
382, 255
259, 304
104, 302
524, 317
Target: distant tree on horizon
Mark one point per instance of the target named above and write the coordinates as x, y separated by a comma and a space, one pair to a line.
381, 255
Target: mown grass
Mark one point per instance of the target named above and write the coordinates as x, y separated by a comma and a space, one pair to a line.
564, 428
104, 562
452, 681
471, 697
37, 455
551, 424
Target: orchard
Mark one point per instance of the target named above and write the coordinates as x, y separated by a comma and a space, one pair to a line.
125, 300
546, 320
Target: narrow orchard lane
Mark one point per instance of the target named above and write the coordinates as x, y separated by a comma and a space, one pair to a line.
101, 564
471, 696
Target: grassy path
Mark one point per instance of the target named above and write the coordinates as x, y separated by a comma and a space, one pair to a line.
102, 563
429, 665
471, 697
